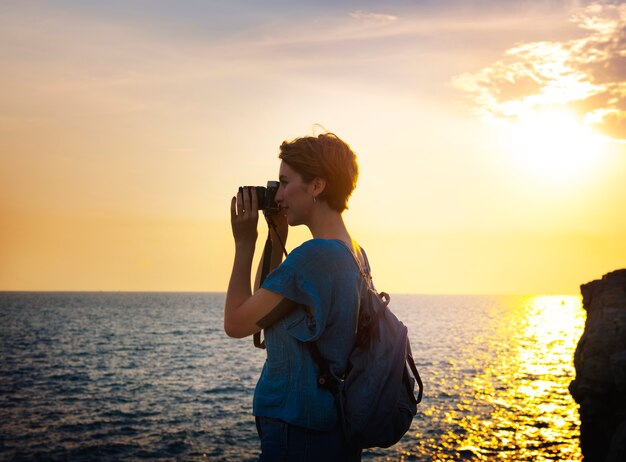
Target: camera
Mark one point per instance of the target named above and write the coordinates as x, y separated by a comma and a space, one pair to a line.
266, 197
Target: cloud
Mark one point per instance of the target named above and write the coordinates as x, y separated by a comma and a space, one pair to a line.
586, 75
372, 17
326, 29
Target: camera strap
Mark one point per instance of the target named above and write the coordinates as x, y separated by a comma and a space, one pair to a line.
272, 226
265, 269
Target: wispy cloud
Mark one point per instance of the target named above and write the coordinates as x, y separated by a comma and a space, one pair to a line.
586, 74
372, 17
330, 29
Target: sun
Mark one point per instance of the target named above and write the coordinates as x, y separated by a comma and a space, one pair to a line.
554, 145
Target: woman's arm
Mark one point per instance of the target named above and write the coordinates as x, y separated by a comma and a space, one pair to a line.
243, 310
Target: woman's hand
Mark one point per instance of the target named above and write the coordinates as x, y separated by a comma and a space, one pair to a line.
244, 216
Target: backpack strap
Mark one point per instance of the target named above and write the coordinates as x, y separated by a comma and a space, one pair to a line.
417, 377
325, 379
365, 271
368, 269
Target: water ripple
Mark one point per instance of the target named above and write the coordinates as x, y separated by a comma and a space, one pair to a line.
125, 376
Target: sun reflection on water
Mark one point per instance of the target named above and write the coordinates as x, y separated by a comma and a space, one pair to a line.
512, 401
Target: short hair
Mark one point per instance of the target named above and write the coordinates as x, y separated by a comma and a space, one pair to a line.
324, 156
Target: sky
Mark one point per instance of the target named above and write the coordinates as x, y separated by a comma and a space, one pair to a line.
491, 137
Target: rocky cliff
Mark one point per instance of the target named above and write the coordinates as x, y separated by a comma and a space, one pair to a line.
600, 360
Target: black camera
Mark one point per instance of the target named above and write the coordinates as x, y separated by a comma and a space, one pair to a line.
267, 197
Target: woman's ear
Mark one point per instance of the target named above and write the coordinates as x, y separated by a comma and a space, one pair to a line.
319, 184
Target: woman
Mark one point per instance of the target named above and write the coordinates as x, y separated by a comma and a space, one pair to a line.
310, 297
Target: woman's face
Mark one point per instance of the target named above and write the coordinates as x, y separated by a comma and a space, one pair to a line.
294, 196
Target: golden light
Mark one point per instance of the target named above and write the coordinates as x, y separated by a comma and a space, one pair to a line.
554, 145
513, 402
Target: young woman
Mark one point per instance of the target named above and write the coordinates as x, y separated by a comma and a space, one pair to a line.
312, 296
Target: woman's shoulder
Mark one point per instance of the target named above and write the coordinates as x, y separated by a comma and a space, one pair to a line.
320, 252
315, 247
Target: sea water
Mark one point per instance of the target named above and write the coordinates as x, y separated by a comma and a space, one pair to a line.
128, 376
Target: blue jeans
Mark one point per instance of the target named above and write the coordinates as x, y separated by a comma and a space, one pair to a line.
283, 442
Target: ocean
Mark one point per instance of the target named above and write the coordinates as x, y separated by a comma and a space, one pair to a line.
130, 376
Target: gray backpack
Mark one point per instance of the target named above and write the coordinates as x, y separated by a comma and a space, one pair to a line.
376, 397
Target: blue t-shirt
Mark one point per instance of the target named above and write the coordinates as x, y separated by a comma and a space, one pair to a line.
322, 277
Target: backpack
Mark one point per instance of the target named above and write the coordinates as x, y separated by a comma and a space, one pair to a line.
376, 396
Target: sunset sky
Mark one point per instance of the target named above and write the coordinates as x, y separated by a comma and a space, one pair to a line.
491, 137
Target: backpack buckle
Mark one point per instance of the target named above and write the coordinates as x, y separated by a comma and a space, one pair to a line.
327, 381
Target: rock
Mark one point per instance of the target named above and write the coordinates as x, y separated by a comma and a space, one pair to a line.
617, 450
618, 369
600, 361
